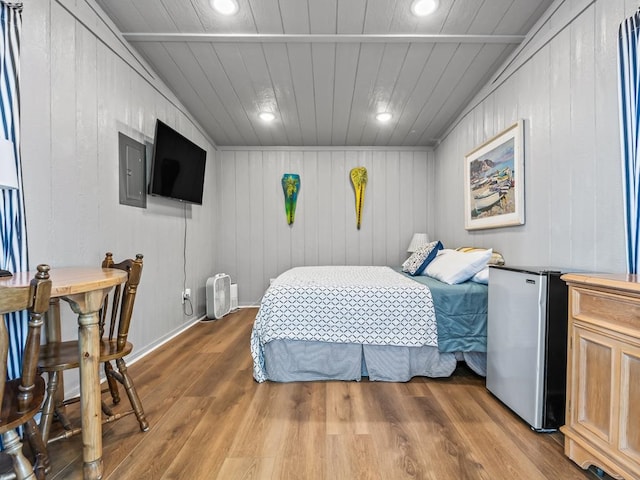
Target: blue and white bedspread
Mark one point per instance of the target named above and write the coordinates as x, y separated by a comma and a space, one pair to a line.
343, 304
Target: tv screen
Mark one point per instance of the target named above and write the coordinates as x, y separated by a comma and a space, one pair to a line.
177, 166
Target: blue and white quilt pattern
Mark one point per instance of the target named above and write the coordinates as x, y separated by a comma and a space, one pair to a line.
343, 304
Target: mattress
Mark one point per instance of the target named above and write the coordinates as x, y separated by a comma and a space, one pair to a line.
342, 323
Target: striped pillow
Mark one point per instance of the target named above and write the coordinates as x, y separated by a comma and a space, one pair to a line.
418, 261
496, 257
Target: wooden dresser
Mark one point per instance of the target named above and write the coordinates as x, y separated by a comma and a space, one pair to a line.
603, 373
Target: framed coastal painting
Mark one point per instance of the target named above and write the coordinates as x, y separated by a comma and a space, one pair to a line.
494, 181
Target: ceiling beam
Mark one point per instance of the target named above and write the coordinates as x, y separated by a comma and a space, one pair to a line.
320, 38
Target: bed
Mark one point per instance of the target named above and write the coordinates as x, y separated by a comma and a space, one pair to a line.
349, 322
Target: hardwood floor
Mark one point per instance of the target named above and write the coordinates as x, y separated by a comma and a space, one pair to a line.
210, 420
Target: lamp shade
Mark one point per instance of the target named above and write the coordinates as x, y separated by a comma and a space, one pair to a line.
417, 241
8, 170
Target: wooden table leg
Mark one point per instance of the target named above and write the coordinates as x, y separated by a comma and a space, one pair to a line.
54, 335
89, 345
56, 379
86, 305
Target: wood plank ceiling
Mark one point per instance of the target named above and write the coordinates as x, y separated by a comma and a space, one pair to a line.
325, 68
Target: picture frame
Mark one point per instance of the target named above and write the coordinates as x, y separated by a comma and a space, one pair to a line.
494, 181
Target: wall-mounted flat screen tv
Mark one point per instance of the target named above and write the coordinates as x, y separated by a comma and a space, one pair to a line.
177, 166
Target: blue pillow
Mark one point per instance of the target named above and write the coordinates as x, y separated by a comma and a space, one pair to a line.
418, 261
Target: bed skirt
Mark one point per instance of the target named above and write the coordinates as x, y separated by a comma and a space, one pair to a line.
296, 360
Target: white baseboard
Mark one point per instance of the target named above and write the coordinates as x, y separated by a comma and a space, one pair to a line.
138, 354
74, 389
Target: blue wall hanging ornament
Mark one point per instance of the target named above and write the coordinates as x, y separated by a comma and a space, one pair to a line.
290, 187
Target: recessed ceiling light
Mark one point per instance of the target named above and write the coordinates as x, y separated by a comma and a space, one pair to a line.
267, 116
421, 8
225, 7
383, 117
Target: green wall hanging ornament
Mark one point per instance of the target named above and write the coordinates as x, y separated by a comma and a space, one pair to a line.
290, 187
359, 181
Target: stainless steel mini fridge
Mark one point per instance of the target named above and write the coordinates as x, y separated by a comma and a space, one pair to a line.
527, 343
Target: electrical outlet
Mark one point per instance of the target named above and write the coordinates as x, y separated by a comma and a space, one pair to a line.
186, 294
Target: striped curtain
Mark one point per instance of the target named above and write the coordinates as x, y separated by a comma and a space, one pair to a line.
629, 93
13, 253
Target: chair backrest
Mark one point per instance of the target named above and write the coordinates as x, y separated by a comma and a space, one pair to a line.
118, 307
35, 299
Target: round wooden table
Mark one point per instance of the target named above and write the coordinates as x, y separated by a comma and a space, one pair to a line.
84, 288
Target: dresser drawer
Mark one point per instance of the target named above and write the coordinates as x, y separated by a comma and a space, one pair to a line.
602, 308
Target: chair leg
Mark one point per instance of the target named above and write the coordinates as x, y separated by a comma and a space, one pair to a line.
136, 404
13, 446
113, 385
49, 405
38, 447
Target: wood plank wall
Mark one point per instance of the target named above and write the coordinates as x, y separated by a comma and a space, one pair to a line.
564, 84
255, 242
81, 85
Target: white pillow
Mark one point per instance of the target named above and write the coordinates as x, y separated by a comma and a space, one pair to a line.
452, 267
482, 276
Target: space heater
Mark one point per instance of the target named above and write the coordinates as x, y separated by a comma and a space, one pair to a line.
218, 290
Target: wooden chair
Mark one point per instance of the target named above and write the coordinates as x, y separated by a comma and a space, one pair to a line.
21, 398
115, 319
